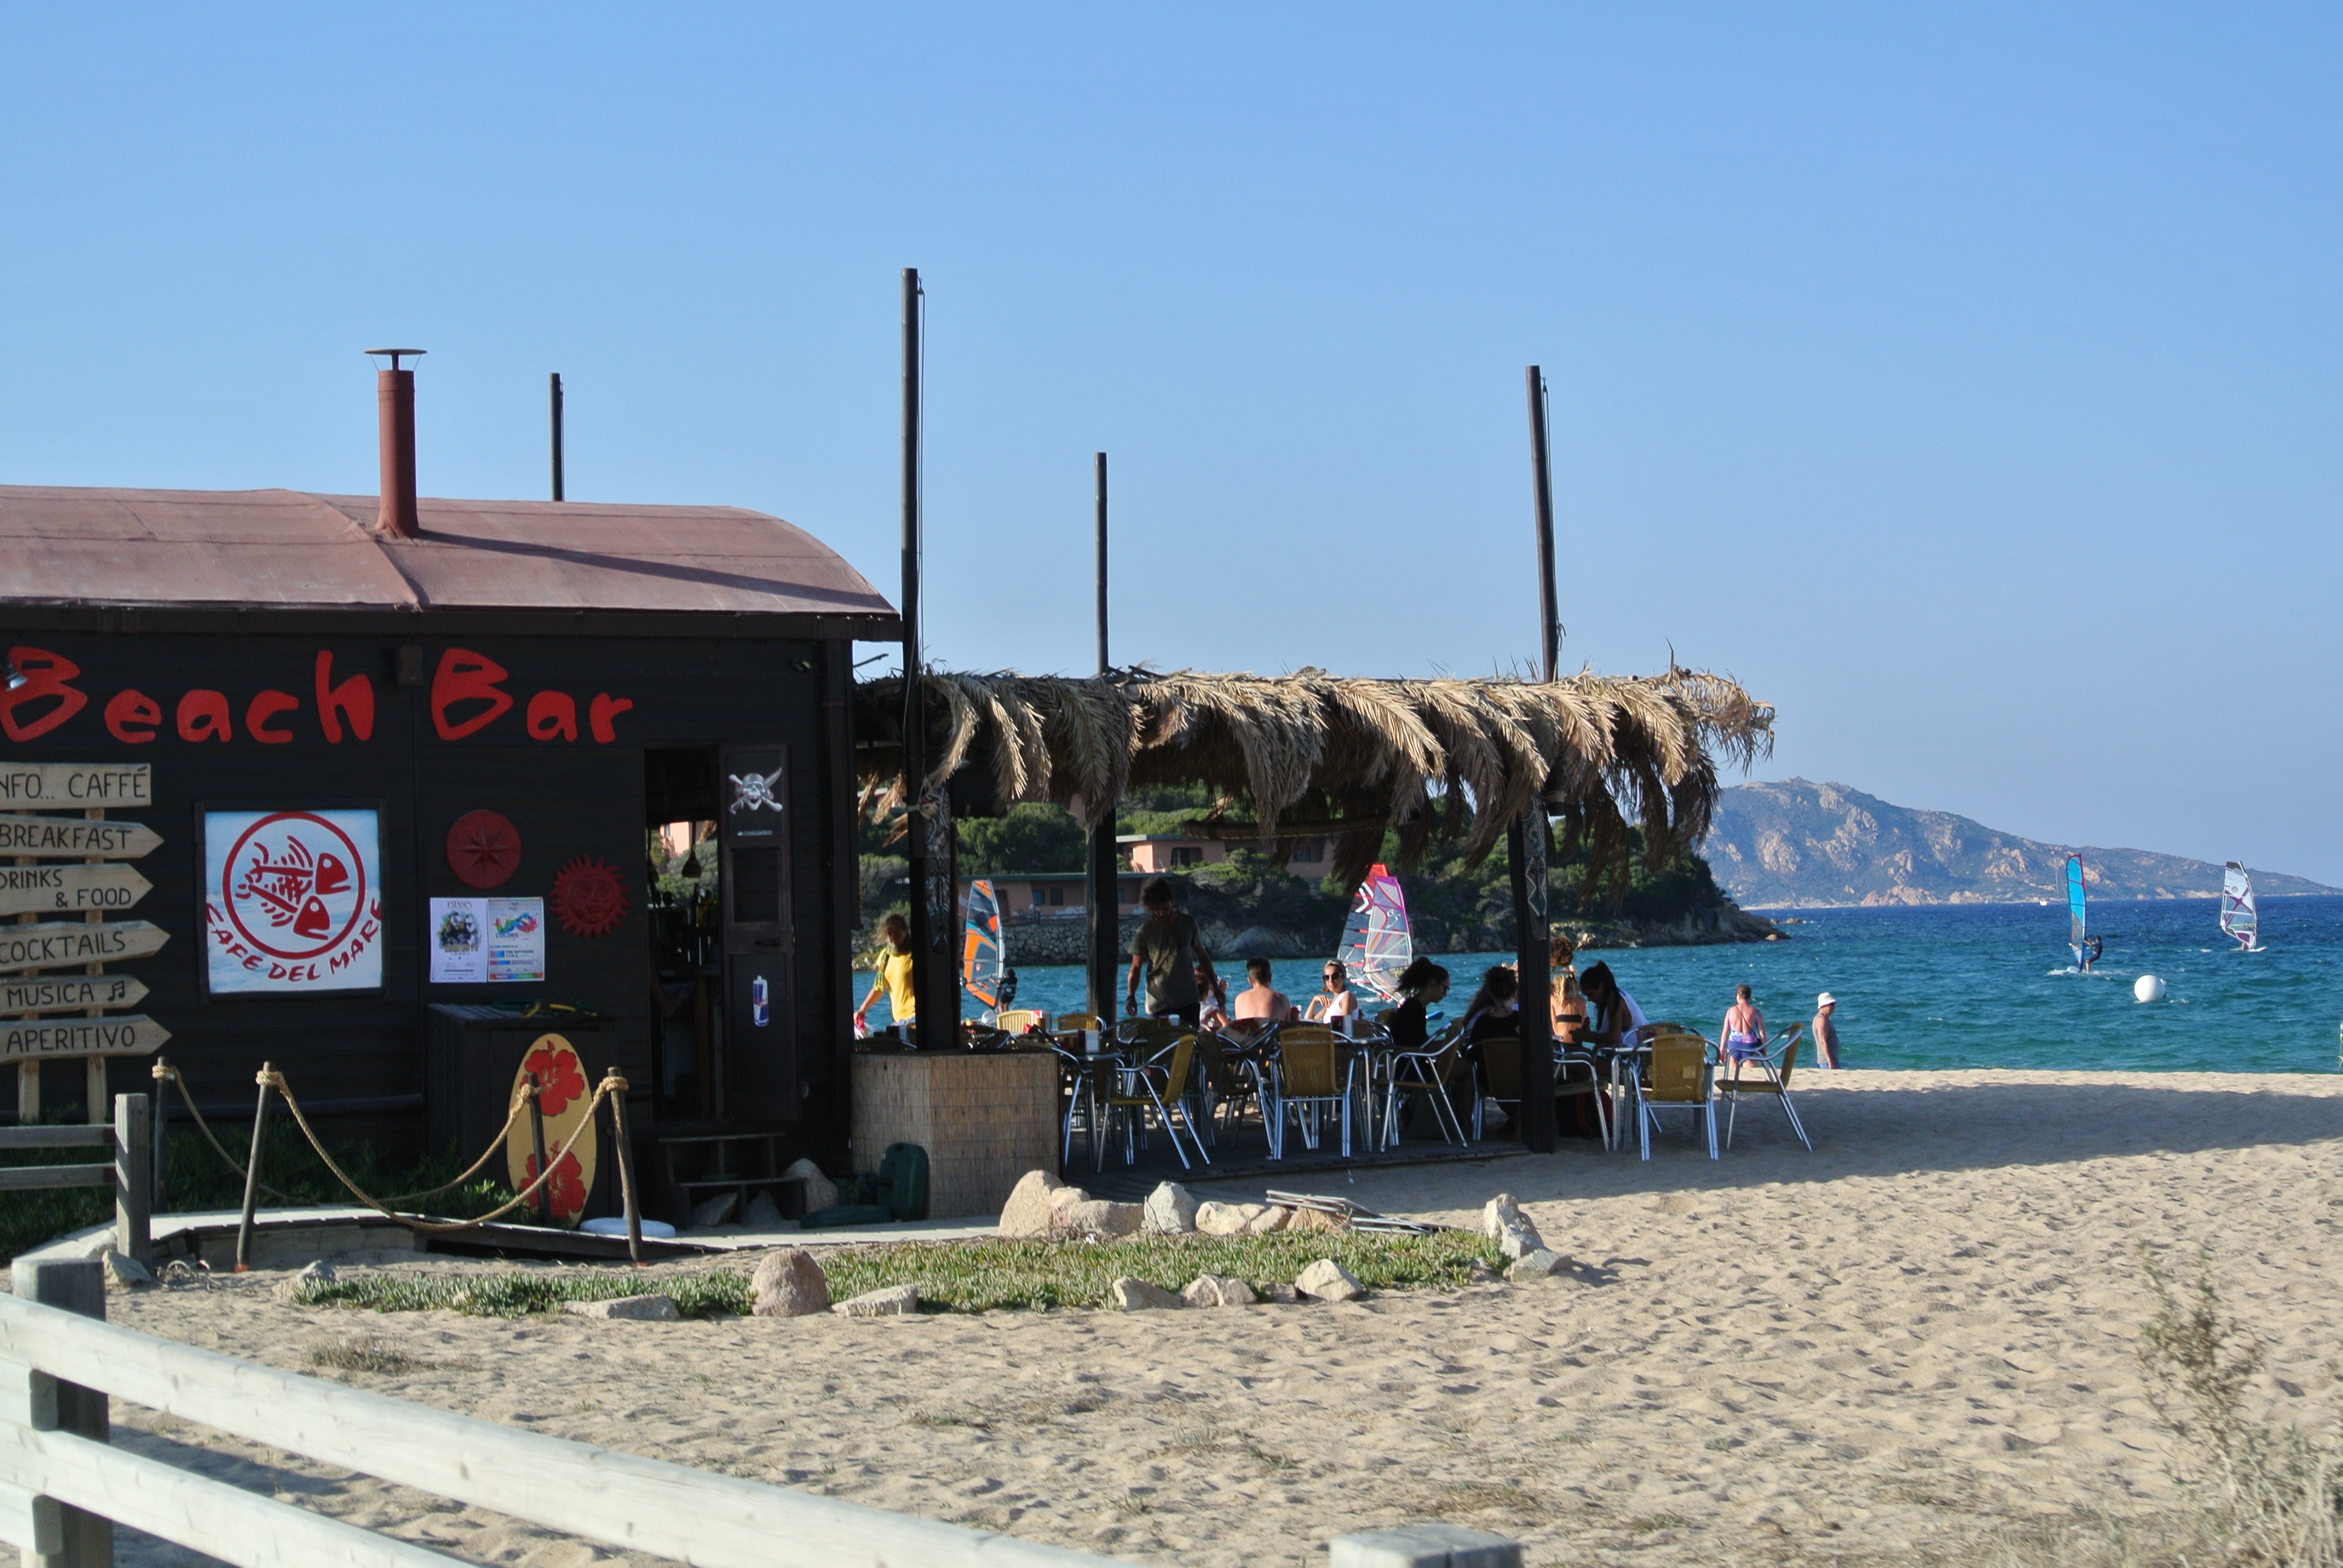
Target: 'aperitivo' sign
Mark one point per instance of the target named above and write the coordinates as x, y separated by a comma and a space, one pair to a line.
471, 694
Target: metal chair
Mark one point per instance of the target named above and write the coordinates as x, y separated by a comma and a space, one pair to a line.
1159, 1085
1776, 1066
1313, 1074
1423, 1073
1680, 1078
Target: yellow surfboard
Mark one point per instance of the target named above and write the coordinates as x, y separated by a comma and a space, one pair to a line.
564, 1091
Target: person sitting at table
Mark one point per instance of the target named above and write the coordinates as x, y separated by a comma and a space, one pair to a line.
1616, 1015
1422, 985
1262, 1001
1562, 967
1744, 1036
1212, 1010
1569, 1009
1495, 1008
1337, 1000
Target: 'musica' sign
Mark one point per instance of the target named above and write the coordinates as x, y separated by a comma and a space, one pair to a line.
98, 885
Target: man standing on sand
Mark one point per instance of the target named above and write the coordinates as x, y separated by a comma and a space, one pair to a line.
1168, 950
1825, 1031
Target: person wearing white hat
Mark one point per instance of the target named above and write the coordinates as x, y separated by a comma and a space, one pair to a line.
1825, 1031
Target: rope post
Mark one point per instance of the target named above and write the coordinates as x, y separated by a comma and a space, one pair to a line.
161, 1202
626, 1167
252, 1173
537, 1137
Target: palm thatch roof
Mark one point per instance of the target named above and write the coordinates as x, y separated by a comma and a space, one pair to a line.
1312, 753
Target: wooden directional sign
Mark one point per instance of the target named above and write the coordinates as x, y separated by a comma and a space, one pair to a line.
136, 1035
75, 838
69, 993
57, 945
67, 890
75, 786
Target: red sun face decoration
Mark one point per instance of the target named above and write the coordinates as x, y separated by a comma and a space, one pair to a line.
589, 898
483, 850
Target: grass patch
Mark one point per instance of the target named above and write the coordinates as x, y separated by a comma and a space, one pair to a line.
952, 1276
366, 1355
1470, 1497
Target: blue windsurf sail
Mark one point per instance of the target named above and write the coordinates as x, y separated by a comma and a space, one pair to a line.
1376, 945
2076, 932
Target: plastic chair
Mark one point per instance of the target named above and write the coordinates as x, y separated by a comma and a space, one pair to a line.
1776, 1066
1680, 1078
1312, 1073
1017, 1020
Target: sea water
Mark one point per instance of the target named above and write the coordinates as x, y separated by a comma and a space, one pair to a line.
1972, 985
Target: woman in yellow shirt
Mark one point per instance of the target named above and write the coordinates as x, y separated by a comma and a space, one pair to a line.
893, 980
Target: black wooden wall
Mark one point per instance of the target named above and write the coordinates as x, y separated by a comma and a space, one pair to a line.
361, 1055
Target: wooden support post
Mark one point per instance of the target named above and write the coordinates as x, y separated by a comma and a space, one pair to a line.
627, 1174
94, 1086
134, 1183
72, 1285
252, 1176
537, 1142
28, 1072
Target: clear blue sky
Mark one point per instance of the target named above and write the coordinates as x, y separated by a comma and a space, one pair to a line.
1963, 379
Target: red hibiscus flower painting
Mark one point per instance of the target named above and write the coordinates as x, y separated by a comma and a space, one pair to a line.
560, 1079
566, 1188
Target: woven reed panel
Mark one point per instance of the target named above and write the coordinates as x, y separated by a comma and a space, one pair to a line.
985, 1119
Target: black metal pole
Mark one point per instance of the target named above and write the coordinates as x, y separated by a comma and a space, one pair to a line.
1526, 839
1550, 615
554, 389
1105, 908
537, 1142
931, 979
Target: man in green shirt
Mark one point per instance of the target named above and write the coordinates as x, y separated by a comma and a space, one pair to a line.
1168, 949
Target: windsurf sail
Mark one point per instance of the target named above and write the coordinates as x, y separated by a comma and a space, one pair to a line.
2076, 933
979, 948
2239, 919
1375, 942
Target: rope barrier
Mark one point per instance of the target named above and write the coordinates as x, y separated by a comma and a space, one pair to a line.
268, 1078
162, 1071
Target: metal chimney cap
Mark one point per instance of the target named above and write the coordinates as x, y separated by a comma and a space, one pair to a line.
395, 353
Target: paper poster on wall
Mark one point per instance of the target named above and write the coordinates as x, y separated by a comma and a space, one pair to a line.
292, 902
516, 932
458, 941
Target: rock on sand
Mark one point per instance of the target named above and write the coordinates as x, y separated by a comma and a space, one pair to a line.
1329, 1281
1170, 1211
788, 1283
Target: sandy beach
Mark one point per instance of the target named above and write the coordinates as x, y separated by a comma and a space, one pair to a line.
1909, 1339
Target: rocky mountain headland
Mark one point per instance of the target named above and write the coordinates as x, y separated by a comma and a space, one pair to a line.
1800, 845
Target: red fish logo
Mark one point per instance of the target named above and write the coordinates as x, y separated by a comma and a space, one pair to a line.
296, 885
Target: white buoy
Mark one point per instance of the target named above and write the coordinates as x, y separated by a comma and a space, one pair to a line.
2148, 988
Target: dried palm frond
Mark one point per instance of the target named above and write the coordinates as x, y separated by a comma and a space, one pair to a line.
1347, 756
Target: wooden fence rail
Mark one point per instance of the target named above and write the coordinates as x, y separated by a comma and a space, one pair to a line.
130, 1170
47, 1473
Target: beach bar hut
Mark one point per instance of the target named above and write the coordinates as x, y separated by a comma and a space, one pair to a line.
304, 779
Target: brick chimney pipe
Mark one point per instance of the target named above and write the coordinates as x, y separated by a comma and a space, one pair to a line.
395, 394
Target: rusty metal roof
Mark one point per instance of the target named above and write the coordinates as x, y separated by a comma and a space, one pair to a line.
288, 549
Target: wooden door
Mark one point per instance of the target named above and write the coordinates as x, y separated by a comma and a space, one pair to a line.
760, 947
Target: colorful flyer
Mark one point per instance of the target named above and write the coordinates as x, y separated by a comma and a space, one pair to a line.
515, 937
458, 941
